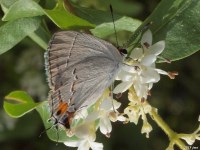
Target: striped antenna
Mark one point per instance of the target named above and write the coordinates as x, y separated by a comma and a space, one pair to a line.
111, 11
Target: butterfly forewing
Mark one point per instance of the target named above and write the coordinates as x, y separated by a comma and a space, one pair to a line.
79, 68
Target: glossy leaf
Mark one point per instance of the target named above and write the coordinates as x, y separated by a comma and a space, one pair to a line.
18, 103
41, 37
5, 4
23, 8
176, 22
104, 22
124, 23
131, 7
14, 31
95, 16
65, 20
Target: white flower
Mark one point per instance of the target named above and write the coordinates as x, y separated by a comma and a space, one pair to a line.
107, 113
190, 139
140, 71
133, 113
136, 108
146, 128
86, 122
86, 134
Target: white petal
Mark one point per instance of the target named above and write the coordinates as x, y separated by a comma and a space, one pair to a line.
124, 76
72, 143
147, 38
96, 146
150, 85
116, 104
161, 71
190, 139
157, 48
121, 118
107, 104
133, 114
129, 69
84, 130
141, 90
136, 53
128, 77
82, 133
150, 76
146, 128
120, 75
122, 87
148, 60
92, 116
105, 125
113, 116
84, 145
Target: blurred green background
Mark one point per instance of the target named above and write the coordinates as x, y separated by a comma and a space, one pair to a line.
22, 68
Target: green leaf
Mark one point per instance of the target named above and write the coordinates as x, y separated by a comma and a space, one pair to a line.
14, 31
19, 104
104, 22
41, 37
52, 133
131, 7
23, 8
95, 16
5, 4
124, 23
176, 22
65, 20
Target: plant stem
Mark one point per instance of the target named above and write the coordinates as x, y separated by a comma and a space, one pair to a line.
163, 125
173, 136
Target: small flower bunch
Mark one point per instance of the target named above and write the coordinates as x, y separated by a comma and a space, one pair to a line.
145, 73
97, 116
138, 74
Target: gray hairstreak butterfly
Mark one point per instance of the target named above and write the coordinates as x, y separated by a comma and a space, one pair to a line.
79, 68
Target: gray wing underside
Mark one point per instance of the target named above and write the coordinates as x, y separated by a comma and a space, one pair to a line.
79, 68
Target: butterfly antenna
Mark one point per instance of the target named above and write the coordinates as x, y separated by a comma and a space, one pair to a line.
111, 11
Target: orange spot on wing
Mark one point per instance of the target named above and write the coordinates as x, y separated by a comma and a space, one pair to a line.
62, 107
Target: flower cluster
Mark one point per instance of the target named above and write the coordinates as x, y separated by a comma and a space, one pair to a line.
136, 109
138, 75
101, 115
140, 71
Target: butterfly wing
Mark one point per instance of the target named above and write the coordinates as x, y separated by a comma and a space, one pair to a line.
79, 68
